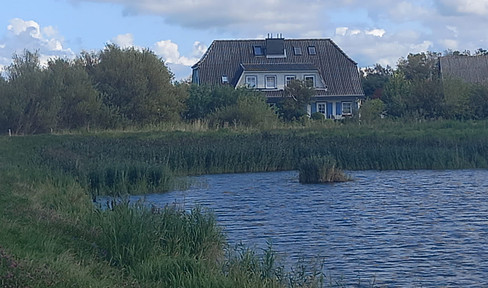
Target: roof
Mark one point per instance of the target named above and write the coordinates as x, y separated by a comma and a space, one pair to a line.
279, 67
224, 57
473, 69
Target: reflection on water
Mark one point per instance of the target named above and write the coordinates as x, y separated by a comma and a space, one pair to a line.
403, 228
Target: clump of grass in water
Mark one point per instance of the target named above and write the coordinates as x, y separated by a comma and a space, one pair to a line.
321, 169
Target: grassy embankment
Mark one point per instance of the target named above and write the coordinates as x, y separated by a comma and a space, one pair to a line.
52, 235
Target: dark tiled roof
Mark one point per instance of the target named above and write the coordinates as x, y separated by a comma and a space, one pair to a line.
224, 57
473, 69
279, 67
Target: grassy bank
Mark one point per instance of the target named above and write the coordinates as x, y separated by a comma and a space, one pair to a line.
53, 236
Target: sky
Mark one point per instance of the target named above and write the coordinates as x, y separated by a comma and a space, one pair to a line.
180, 31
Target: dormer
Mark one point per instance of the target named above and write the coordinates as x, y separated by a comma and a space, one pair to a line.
275, 47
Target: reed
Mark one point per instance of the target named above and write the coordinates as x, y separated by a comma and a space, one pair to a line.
321, 169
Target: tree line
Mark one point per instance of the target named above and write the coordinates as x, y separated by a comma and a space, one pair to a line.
417, 90
118, 88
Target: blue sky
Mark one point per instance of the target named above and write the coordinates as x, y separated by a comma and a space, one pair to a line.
179, 31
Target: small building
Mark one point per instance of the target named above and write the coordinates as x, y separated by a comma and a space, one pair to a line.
471, 69
269, 64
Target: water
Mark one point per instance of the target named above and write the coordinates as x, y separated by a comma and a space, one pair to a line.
402, 228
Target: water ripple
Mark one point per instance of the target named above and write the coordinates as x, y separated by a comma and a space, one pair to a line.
402, 228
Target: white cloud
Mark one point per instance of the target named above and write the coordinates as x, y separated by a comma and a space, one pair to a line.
28, 35
169, 51
475, 7
375, 32
124, 40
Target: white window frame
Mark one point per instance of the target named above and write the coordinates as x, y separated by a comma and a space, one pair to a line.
248, 81
266, 81
347, 111
297, 51
321, 105
309, 76
289, 78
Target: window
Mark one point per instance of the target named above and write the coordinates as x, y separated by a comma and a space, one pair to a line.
225, 80
270, 82
346, 108
321, 108
311, 50
289, 78
309, 80
297, 50
251, 81
258, 51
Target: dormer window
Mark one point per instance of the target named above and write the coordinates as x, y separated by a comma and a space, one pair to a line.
311, 50
258, 51
297, 50
225, 80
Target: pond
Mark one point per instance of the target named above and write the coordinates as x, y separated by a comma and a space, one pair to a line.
401, 228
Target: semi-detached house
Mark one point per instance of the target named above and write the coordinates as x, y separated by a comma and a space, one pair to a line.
269, 64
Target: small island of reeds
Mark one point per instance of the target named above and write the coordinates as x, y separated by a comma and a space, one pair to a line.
321, 169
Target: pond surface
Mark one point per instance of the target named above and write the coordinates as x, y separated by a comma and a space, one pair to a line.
401, 228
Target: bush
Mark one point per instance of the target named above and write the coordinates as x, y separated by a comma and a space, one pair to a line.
314, 170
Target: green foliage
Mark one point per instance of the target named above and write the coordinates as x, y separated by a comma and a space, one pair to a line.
317, 116
320, 169
249, 111
372, 110
204, 100
137, 85
29, 105
374, 80
397, 89
297, 96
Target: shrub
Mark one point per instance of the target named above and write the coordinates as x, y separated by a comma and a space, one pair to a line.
320, 170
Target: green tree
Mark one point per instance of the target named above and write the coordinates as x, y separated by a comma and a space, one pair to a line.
478, 101
297, 96
137, 84
250, 110
372, 110
457, 95
374, 80
30, 107
204, 100
80, 104
397, 89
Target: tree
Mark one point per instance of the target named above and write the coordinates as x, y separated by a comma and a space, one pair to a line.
250, 110
372, 110
30, 107
397, 89
297, 96
374, 80
137, 84
203, 100
80, 104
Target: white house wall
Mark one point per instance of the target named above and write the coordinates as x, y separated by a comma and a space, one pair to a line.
280, 78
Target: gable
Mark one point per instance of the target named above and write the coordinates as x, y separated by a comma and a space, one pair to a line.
226, 57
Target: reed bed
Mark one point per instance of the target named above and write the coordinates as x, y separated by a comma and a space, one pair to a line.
138, 163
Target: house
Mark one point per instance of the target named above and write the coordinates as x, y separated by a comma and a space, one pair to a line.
269, 64
471, 69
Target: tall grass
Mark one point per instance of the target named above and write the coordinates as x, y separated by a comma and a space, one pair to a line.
320, 169
116, 164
